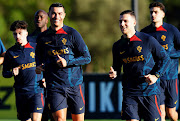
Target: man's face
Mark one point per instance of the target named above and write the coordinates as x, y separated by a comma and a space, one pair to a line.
56, 15
127, 23
40, 19
20, 35
156, 14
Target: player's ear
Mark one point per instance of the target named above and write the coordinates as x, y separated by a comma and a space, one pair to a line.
48, 14
134, 22
163, 14
47, 21
26, 33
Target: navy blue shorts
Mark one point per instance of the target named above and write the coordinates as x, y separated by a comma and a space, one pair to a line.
70, 97
141, 107
169, 95
29, 103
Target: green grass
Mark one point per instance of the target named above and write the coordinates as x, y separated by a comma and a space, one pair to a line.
68, 120
71, 120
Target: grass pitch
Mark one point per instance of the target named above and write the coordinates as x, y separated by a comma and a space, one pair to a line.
71, 120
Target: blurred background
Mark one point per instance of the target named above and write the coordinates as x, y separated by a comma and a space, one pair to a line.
96, 20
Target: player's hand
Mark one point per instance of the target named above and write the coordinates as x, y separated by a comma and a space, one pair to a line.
150, 79
61, 61
16, 71
39, 69
44, 82
112, 73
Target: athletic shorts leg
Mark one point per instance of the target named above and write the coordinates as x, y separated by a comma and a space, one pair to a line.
76, 101
130, 108
163, 89
22, 106
150, 108
37, 103
171, 93
146, 107
57, 101
70, 97
29, 103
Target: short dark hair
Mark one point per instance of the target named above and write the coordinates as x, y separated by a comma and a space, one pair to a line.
128, 12
157, 4
19, 25
40, 10
56, 5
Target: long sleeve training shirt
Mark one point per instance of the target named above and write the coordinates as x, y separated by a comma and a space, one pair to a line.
169, 37
69, 44
27, 81
138, 56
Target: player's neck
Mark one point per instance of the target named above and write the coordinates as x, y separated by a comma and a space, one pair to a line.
158, 24
39, 30
24, 43
43, 29
56, 28
130, 34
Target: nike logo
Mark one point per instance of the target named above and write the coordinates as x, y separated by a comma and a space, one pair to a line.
48, 42
16, 56
156, 119
122, 52
39, 108
81, 108
175, 102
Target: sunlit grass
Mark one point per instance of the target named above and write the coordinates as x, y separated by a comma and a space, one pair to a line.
71, 120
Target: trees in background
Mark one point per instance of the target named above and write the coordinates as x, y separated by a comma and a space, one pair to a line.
98, 22
12, 10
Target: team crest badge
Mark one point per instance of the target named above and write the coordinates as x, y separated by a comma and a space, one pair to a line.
64, 41
139, 48
163, 37
32, 54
